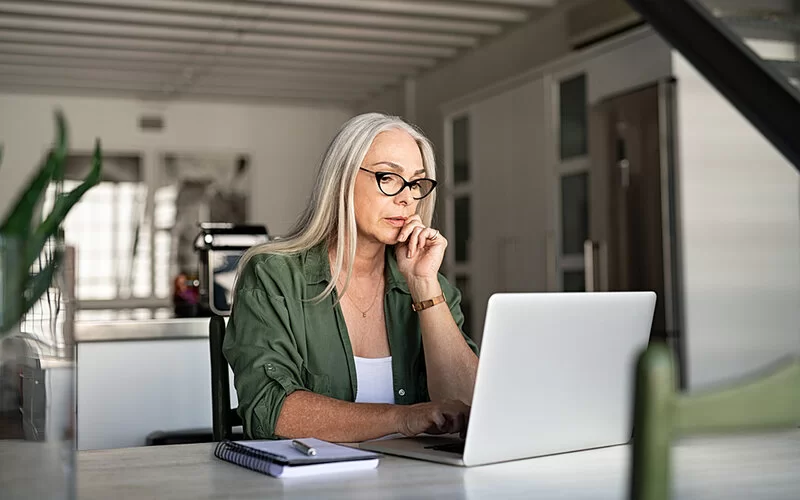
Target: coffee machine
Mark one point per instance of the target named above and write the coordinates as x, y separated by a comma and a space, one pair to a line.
219, 247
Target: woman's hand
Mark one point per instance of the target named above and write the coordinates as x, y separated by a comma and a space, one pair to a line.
440, 417
419, 251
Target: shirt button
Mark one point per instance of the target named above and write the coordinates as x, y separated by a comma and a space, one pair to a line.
401, 392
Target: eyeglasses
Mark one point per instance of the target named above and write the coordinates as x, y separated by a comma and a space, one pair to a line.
392, 184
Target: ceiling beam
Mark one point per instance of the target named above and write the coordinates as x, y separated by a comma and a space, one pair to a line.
414, 7
156, 88
194, 59
213, 77
89, 63
61, 39
323, 16
205, 22
516, 3
326, 51
120, 31
158, 96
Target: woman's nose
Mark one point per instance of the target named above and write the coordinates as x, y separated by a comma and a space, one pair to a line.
404, 197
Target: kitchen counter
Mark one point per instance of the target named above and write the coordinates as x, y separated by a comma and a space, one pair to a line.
138, 377
156, 329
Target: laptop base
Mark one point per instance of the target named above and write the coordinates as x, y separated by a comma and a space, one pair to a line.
420, 447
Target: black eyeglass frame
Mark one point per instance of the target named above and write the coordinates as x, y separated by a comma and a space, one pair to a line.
406, 184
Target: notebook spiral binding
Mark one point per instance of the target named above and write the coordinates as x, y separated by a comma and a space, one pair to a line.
246, 457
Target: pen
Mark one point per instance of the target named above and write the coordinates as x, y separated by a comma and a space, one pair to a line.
303, 448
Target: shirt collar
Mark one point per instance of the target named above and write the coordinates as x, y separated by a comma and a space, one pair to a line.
317, 269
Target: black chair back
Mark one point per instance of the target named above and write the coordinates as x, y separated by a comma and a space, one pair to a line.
224, 418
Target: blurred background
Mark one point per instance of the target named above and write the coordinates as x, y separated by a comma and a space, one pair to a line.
579, 151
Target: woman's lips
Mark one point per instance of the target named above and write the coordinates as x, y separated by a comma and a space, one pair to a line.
396, 221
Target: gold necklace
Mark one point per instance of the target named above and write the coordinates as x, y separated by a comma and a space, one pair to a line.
375, 296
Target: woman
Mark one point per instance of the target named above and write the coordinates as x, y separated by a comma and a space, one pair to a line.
322, 338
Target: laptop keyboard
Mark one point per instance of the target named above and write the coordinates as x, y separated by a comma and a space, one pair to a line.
449, 447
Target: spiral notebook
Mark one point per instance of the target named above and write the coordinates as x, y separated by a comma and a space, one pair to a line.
280, 459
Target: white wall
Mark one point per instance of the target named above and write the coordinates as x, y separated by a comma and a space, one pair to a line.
285, 142
641, 60
522, 48
391, 100
740, 212
514, 166
739, 204
509, 209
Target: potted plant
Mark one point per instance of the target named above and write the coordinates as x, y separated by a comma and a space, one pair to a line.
36, 464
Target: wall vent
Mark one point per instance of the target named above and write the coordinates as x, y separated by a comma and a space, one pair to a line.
151, 123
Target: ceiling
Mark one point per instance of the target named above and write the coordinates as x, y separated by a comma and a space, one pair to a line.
317, 51
758, 21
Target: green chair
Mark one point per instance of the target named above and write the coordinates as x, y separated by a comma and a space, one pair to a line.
770, 400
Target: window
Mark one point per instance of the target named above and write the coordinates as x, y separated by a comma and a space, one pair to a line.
459, 205
164, 220
458, 194
573, 117
574, 212
572, 165
574, 281
132, 233
103, 227
462, 229
117, 276
461, 150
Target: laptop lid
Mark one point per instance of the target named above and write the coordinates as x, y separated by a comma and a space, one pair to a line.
556, 373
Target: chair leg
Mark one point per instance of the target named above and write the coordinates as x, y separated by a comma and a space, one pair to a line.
653, 404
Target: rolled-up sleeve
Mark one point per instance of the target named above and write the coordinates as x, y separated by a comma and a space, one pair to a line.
262, 351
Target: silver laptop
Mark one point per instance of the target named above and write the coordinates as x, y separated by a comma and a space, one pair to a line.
555, 375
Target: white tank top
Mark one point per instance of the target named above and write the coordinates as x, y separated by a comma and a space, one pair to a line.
375, 382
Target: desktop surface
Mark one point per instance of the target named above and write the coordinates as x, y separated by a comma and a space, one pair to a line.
763, 466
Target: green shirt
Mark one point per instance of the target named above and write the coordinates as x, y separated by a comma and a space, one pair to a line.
278, 340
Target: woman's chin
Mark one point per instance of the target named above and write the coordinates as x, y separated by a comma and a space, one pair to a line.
384, 236
390, 239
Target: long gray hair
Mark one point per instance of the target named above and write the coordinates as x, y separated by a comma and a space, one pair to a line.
332, 199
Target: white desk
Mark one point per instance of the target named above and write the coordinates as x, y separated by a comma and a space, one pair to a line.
763, 467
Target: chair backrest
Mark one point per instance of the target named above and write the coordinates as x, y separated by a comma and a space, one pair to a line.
769, 400
224, 419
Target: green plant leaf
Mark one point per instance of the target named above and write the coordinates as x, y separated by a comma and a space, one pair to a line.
61, 147
41, 281
13, 276
19, 220
62, 206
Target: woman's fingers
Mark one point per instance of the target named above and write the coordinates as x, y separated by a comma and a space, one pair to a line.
413, 240
411, 223
416, 236
429, 235
457, 416
440, 417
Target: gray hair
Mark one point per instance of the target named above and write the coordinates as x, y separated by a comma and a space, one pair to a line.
332, 199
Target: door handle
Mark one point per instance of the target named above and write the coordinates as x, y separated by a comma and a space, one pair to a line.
625, 172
